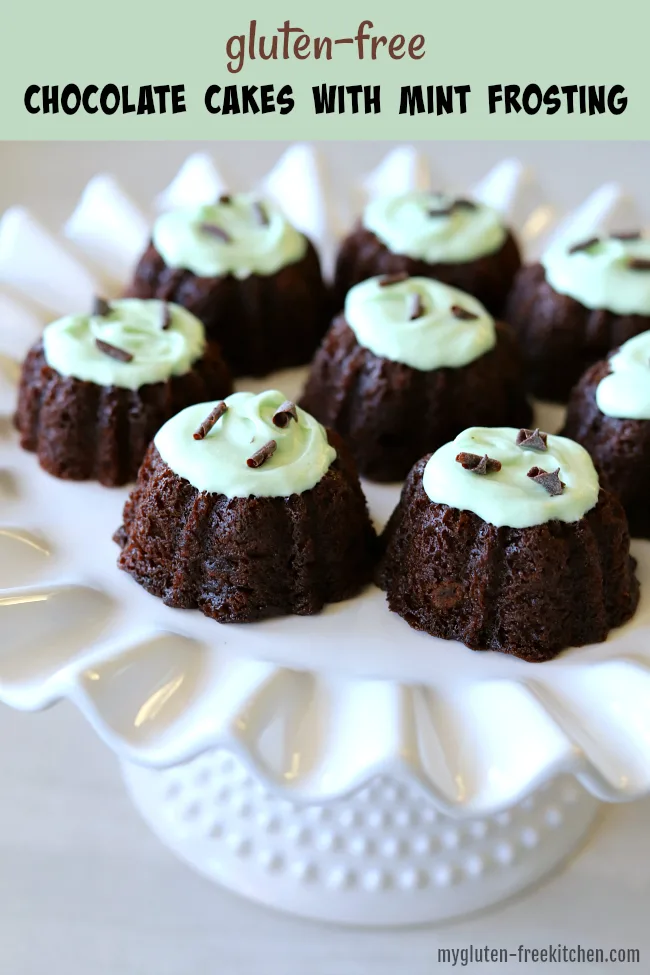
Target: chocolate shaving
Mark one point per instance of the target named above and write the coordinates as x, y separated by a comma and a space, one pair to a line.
464, 204
389, 279
210, 420
639, 264
285, 413
216, 231
583, 245
166, 317
112, 350
477, 464
415, 306
260, 214
225, 198
263, 454
101, 307
627, 235
550, 481
463, 313
532, 439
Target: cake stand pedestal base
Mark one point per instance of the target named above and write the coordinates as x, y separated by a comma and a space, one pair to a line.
383, 856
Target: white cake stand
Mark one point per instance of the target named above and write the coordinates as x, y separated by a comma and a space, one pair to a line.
341, 767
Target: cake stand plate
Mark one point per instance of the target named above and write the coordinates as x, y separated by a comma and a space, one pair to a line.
383, 856
342, 767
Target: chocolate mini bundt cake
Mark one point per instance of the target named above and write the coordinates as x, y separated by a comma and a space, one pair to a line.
504, 540
579, 303
609, 414
409, 364
253, 280
96, 388
247, 509
457, 241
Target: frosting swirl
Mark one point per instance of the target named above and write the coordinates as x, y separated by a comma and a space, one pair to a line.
132, 326
608, 273
381, 317
625, 392
434, 227
218, 463
251, 237
509, 497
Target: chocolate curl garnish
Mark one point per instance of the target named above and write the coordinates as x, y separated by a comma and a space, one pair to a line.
260, 214
210, 420
214, 230
550, 481
101, 307
639, 264
112, 350
584, 245
532, 439
627, 235
285, 413
464, 204
462, 313
262, 455
389, 279
225, 198
166, 317
415, 306
477, 464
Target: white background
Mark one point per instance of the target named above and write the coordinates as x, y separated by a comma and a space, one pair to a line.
84, 888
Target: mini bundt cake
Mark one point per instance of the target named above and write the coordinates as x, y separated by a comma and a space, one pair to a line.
409, 364
253, 280
247, 509
609, 414
504, 540
579, 303
96, 388
457, 241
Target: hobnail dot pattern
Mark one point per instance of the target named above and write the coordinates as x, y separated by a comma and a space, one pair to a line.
388, 836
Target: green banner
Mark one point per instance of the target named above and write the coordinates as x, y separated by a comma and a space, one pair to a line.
345, 69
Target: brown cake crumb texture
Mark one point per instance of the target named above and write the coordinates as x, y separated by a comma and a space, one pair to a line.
245, 559
531, 592
619, 448
81, 431
262, 323
488, 278
559, 337
391, 414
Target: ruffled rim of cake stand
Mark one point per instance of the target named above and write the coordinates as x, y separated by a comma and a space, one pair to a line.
158, 694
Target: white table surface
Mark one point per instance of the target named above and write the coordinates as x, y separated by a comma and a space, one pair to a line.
85, 889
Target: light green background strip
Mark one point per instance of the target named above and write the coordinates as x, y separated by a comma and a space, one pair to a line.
473, 42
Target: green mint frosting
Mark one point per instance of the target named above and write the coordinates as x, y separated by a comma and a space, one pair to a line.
251, 237
607, 274
217, 464
134, 327
509, 497
380, 315
625, 393
435, 227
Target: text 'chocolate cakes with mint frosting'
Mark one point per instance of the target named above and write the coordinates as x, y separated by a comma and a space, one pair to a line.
247, 509
504, 540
